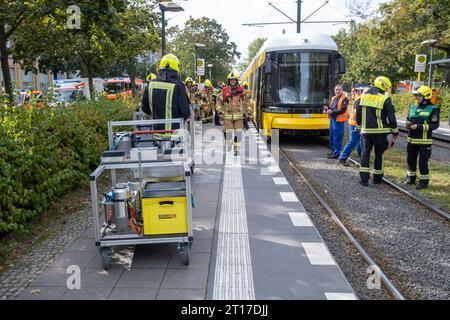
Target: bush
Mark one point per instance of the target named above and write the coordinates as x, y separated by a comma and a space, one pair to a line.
46, 153
402, 101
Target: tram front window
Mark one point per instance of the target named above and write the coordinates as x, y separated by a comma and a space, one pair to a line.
303, 77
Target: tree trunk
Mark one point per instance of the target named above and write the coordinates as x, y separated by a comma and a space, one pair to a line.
90, 77
131, 71
4, 62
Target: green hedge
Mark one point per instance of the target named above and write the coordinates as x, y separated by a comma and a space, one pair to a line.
46, 153
402, 101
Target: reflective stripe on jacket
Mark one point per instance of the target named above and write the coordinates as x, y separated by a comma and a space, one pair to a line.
169, 88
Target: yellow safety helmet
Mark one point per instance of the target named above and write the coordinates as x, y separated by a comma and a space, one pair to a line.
382, 83
151, 76
170, 61
188, 79
233, 75
425, 92
245, 84
208, 83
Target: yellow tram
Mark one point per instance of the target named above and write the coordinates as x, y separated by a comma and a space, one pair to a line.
290, 79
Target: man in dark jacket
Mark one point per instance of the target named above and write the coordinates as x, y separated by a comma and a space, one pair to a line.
375, 117
165, 97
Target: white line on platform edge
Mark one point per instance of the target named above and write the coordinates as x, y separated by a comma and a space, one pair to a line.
300, 219
288, 197
318, 253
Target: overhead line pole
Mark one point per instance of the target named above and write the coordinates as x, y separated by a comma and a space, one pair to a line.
287, 22
299, 15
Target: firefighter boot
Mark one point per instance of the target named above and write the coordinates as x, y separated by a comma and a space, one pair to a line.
422, 184
410, 180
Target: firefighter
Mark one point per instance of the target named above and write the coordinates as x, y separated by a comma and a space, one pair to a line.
207, 101
375, 118
354, 139
217, 96
338, 115
234, 106
165, 97
423, 118
188, 83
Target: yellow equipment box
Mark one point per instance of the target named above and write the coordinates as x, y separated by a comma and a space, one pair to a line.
164, 208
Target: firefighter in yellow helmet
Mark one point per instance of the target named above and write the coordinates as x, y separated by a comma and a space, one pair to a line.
165, 96
235, 107
423, 118
207, 101
375, 118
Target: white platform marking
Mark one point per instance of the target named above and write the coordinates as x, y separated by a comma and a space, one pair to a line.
300, 219
340, 296
269, 160
233, 275
318, 253
280, 180
288, 196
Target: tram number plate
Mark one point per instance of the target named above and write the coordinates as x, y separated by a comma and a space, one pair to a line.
305, 116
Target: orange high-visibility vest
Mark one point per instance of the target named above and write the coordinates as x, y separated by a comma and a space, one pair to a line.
352, 113
344, 116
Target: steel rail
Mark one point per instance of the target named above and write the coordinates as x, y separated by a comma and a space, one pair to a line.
389, 285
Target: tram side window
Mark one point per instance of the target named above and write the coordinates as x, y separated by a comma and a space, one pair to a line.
303, 77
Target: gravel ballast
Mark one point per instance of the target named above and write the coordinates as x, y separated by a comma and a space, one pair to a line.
408, 242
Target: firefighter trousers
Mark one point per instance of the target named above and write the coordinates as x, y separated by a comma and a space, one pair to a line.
423, 152
233, 133
379, 142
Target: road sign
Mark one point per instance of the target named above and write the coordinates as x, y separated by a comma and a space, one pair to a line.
421, 63
200, 67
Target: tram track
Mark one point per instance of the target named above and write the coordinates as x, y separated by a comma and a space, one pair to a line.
358, 246
419, 199
406, 243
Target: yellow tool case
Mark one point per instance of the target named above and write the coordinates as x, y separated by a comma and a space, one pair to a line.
164, 208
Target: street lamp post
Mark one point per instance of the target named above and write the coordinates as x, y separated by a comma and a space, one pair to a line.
197, 45
166, 6
430, 42
210, 67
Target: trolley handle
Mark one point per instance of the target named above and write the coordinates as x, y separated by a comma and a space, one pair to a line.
166, 203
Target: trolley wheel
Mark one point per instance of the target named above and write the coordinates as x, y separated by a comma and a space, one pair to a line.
186, 251
106, 253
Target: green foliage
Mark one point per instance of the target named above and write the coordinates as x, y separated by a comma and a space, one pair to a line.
252, 51
388, 45
402, 101
46, 153
219, 51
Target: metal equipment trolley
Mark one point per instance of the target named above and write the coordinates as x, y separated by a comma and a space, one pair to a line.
125, 223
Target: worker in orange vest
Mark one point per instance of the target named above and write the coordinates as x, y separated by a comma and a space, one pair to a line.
338, 115
354, 139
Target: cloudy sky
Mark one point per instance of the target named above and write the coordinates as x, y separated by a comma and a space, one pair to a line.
233, 13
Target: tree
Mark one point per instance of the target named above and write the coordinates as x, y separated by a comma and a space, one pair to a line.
13, 15
92, 44
140, 35
219, 51
389, 44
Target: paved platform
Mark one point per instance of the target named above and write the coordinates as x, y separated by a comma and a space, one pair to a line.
252, 240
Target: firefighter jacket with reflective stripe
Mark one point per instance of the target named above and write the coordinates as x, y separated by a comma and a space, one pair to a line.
427, 119
233, 103
341, 111
375, 114
207, 96
166, 99
352, 112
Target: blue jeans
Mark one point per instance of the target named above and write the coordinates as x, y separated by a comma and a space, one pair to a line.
336, 135
353, 141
